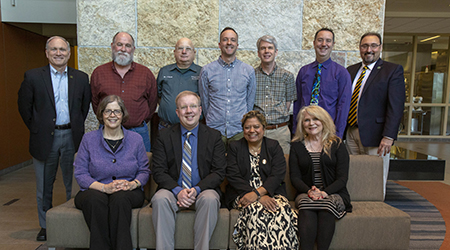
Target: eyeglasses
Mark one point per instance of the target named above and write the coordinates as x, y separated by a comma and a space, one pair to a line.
372, 46
192, 106
108, 112
188, 49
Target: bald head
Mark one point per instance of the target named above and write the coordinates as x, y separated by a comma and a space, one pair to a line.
184, 53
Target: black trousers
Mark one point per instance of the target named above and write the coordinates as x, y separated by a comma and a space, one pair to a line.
108, 217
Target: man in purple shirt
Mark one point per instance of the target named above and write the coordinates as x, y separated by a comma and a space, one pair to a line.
333, 89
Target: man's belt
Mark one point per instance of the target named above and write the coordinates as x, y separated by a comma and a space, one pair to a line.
64, 126
275, 126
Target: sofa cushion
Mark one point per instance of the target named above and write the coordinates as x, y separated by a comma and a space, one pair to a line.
184, 230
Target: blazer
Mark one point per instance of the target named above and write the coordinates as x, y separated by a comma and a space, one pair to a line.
167, 157
334, 169
272, 169
37, 107
381, 103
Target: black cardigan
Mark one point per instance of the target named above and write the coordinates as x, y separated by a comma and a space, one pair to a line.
334, 170
272, 168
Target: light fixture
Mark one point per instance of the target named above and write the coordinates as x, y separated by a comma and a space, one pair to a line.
429, 38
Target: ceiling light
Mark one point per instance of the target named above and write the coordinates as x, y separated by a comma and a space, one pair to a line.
429, 38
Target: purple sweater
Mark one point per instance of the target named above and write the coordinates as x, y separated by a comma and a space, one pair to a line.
96, 162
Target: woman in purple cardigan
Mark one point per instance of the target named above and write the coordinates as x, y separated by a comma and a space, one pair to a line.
111, 167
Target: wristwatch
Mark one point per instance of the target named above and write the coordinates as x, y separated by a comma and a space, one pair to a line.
257, 193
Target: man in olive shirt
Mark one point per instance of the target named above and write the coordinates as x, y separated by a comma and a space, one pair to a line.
176, 78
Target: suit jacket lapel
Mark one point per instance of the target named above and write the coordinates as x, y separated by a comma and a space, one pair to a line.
201, 148
46, 75
353, 71
71, 87
375, 70
175, 138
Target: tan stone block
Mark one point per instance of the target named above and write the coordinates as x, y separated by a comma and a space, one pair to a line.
253, 19
348, 19
293, 60
100, 20
90, 58
161, 23
154, 59
206, 56
338, 57
353, 58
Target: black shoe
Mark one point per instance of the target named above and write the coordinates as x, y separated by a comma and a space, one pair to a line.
42, 235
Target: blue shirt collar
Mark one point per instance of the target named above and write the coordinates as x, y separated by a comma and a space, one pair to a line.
223, 63
54, 71
194, 131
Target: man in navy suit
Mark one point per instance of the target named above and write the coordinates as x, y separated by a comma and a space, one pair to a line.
188, 165
378, 100
54, 102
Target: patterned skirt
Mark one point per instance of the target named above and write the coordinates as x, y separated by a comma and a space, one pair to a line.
333, 203
258, 228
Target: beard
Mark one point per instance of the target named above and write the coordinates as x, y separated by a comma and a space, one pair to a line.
122, 58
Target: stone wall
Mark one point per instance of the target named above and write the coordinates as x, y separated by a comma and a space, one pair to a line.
156, 25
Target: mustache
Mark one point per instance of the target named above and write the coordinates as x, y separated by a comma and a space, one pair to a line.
369, 53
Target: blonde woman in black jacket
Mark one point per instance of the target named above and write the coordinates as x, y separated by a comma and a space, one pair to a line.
318, 164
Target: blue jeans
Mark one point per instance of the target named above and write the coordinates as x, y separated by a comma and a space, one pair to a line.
143, 131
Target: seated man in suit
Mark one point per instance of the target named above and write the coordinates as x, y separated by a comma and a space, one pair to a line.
188, 166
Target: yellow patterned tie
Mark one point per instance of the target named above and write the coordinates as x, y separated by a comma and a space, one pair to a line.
354, 103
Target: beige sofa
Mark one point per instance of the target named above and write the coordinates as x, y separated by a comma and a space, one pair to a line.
372, 225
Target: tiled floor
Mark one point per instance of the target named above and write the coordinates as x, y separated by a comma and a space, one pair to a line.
19, 223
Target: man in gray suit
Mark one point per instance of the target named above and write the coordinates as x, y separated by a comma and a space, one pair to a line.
188, 166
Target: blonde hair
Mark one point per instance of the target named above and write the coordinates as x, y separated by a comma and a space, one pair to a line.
328, 131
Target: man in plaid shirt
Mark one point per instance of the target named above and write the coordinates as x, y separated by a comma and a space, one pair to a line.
275, 91
133, 82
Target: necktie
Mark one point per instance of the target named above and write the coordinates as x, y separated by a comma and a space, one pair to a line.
186, 179
316, 87
354, 103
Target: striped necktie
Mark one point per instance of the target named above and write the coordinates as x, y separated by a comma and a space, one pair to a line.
355, 96
316, 86
186, 179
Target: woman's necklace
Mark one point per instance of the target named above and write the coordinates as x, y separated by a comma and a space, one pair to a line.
253, 151
117, 142
317, 149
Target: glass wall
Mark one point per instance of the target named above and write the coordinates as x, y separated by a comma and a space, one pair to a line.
425, 61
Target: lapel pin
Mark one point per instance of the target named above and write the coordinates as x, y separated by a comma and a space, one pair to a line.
71, 76
379, 67
264, 161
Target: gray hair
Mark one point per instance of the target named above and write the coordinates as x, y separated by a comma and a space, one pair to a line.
59, 37
269, 39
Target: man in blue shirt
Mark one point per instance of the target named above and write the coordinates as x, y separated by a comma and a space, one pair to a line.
175, 78
333, 90
228, 88
188, 166
53, 103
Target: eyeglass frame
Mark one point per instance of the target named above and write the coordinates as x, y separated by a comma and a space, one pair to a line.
372, 46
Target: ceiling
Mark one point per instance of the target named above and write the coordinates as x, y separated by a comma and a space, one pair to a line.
417, 16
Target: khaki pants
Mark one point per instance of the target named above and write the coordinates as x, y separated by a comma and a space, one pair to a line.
355, 147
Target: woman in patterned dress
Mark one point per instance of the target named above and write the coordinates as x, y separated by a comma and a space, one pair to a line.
255, 172
318, 164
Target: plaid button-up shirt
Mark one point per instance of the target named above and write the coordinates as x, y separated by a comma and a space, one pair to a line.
272, 93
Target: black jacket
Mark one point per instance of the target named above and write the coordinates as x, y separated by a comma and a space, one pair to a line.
334, 170
272, 167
